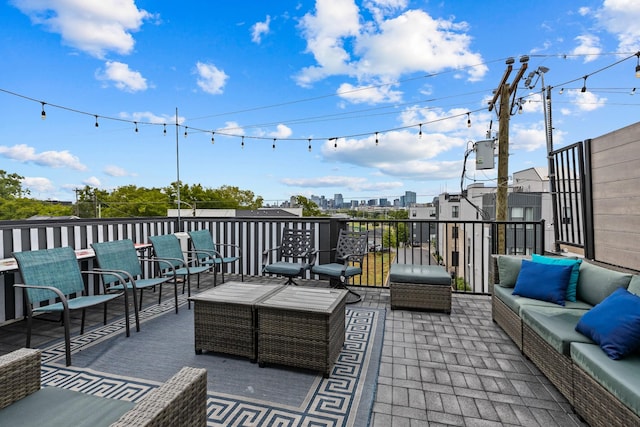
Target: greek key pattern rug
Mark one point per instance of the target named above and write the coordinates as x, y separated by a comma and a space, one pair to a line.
343, 399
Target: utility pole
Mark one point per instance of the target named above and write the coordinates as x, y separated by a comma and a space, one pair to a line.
505, 92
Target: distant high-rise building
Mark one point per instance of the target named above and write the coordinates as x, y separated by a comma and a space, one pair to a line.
338, 201
410, 198
383, 202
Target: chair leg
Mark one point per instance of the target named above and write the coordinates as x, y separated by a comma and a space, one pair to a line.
29, 322
140, 302
67, 336
126, 310
175, 289
66, 321
135, 307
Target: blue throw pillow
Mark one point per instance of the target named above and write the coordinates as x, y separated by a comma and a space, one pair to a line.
546, 282
614, 324
575, 273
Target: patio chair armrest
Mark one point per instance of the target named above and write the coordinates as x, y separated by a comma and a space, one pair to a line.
158, 261
312, 257
231, 245
266, 253
58, 292
171, 266
182, 400
122, 276
19, 375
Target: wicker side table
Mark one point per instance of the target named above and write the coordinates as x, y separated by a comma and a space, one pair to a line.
426, 287
225, 318
302, 327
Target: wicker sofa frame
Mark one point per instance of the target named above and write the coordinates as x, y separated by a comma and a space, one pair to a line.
180, 401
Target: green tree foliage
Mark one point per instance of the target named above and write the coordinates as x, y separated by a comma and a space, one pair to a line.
309, 208
11, 186
395, 234
23, 208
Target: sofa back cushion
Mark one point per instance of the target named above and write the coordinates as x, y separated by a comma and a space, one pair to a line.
508, 270
634, 285
595, 283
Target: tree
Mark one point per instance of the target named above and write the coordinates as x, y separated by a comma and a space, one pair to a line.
395, 234
309, 208
11, 186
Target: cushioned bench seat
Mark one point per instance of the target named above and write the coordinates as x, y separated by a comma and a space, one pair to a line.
426, 287
606, 391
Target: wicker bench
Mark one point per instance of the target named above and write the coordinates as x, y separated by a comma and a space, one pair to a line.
182, 400
426, 287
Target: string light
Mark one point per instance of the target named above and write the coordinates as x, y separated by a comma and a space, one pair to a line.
274, 144
376, 138
213, 140
420, 132
309, 144
242, 143
136, 123
164, 130
561, 91
43, 114
185, 131
97, 125
469, 120
520, 106
633, 91
584, 85
638, 66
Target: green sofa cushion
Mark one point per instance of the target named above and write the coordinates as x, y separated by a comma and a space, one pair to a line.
620, 377
595, 283
508, 269
53, 406
424, 274
557, 326
515, 302
634, 284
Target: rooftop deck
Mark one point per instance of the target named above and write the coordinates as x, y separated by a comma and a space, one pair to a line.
436, 369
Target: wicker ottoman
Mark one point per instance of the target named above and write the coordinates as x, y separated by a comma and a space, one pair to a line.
225, 318
426, 287
302, 327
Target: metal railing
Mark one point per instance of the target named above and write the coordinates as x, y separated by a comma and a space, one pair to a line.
463, 248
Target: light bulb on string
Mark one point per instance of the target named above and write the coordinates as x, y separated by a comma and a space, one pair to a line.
164, 130
377, 138
309, 144
242, 143
468, 120
136, 123
185, 131
213, 140
633, 91
43, 114
274, 144
420, 132
561, 91
97, 125
584, 85
520, 106
638, 66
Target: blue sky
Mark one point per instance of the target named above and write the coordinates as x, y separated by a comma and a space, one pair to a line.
298, 71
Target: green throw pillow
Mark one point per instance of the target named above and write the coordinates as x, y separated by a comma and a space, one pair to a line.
634, 285
508, 269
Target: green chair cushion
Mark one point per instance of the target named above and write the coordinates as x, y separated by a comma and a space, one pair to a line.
595, 283
423, 274
515, 302
557, 326
620, 377
52, 406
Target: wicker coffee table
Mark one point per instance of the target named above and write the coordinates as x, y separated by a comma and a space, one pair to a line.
302, 327
225, 318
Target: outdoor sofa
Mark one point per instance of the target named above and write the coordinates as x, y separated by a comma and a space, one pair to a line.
600, 380
182, 400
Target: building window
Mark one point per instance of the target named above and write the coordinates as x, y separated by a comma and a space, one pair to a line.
517, 214
455, 211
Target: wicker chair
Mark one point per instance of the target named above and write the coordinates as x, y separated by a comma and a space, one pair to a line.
182, 400
292, 257
50, 274
207, 253
167, 248
121, 257
350, 252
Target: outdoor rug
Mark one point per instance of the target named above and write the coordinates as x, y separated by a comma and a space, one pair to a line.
240, 393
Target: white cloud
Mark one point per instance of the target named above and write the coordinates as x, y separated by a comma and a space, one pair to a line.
586, 101
113, 170
259, 29
620, 17
92, 181
122, 77
55, 159
588, 45
282, 131
368, 94
149, 117
210, 78
95, 27
415, 41
38, 184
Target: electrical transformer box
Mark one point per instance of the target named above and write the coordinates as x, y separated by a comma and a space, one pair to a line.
484, 154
